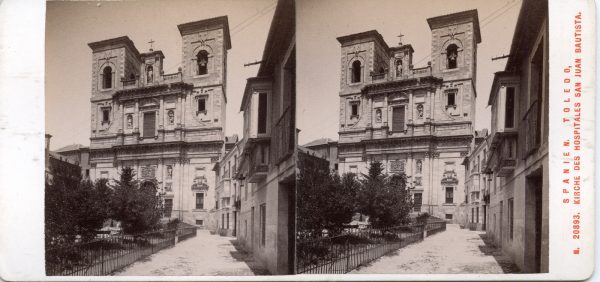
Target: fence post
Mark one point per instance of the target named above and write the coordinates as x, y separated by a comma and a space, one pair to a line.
102, 258
347, 256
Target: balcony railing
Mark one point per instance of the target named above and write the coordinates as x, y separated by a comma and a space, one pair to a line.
284, 140
505, 157
378, 76
164, 78
172, 77
421, 72
530, 128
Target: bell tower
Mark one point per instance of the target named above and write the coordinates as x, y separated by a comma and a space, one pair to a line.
454, 45
454, 40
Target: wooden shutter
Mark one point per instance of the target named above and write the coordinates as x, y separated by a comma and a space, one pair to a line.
262, 113
398, 119
149, 124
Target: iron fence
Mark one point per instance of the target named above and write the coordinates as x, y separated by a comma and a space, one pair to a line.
357, 246
104, 256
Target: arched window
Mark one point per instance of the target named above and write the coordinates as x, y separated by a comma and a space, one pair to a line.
149, 74
399, 67
356, 71
202, 62
452, 56
107, 78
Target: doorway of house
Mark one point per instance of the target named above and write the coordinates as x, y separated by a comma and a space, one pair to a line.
533, 220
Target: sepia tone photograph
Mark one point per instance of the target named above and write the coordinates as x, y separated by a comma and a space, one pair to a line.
422, 137
170, 138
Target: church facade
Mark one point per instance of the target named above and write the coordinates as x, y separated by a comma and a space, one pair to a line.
168, 127
414, 120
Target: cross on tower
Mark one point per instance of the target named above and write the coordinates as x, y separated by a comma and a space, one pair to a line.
400, 38
151, 42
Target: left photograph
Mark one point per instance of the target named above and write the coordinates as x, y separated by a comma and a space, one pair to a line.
170, 138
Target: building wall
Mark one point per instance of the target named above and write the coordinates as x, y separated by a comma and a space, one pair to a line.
436, 133
531, 169
188, 143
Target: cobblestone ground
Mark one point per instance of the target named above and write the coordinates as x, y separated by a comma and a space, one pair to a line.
452, 251
204, 254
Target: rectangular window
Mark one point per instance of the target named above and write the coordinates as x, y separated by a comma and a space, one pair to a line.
168, 207
263, 224
449, 216
449, 195
87, 173
227, 221
509, 118
104, 174
262, 112
199, 222
451, 99
511, 218
418, 201
354, 108
106, 115
477, 214
353, 169
149, 124
222, 221
398, 118
199, 201
201, 105
501, 218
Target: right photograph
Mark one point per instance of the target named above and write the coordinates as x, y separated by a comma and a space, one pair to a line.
422, 137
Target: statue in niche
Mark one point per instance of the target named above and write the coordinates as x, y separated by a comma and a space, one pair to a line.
171, 116
129, 121
149, 74
169, 172
419, 166
399, 67
378, 115
420, 110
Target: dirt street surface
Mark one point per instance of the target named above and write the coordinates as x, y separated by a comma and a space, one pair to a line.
204, 254
452, 251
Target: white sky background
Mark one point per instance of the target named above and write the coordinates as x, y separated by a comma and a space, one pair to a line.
70, 26
320, 22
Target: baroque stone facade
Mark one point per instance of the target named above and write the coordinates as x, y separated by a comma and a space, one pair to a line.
164, 126
414, 120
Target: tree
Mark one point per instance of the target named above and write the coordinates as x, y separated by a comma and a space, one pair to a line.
73, 207
386, 200
136, 204
324, 199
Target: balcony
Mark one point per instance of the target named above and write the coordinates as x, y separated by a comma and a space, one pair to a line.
378, 76
162, 79
284, 137
531, 129
504, 158
257, 151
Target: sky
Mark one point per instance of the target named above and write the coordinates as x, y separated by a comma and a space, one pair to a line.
71, 25
320, 22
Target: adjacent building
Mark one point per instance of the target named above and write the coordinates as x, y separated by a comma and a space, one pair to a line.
476, 183
415, 120
327, 149
167, 126
227, 190
518, 147
79, 155
267, 161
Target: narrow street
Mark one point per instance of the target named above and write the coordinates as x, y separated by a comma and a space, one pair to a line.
455, 250
204, 254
